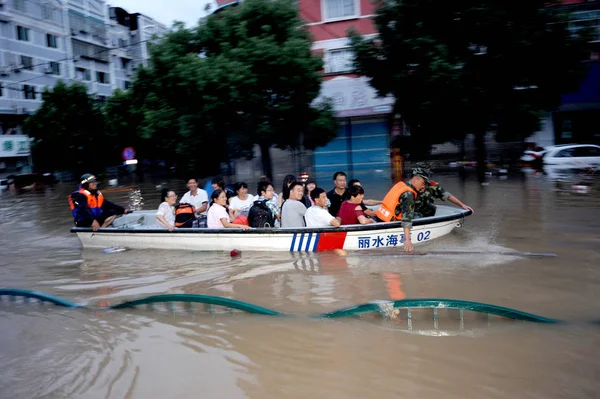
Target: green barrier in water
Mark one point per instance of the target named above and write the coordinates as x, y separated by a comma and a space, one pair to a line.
40, 296
193, 298
438, 303
383, 307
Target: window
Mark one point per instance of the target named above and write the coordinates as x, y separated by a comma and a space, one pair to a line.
340, 9
569, 152
55, 68
126, 84
123, 43
22, 33
102, 77
27, 62
587, 152
339, 61
29, 92
1, 90
51, 41
20, 5
83, 74
47, 12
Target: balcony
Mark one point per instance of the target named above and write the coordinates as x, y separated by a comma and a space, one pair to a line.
4, 14
85, 36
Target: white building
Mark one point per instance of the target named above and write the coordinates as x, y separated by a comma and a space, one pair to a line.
44, 41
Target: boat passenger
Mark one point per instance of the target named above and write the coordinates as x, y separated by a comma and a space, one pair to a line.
89, 208
424, 206
318, 215
309, 186
241, 202
292, 209
219, 184
338, 193
165, 215
199, 199
265, 179
285, 189
369, 212
266, 193
351, 212
399, 204
218, 216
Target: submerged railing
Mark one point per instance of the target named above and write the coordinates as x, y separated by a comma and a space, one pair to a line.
388, 309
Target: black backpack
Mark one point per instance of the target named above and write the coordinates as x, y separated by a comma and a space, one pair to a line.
260, 215
184, 215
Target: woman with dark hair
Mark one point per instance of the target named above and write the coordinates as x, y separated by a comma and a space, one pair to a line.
242, 201
285, 190
309, 186
218, 216
219, 184
165, 215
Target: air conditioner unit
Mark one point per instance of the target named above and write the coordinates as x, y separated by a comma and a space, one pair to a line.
4, 71
48, 70
20, 110
128, 73
18, 68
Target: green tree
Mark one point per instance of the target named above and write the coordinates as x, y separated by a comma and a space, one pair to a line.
122, 121
174, 108
263, 79
68, 130
458, 67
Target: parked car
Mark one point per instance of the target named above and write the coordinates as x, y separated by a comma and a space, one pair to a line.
573, 155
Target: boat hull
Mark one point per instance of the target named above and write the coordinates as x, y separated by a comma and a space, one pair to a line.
354, 237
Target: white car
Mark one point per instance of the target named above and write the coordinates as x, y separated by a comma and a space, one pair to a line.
573, 155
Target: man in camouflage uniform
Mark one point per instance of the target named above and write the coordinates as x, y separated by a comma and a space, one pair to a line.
424, 206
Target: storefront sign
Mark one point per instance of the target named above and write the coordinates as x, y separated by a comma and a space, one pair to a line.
14, 146
355, 97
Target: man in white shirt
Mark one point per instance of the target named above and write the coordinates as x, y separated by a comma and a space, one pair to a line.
317, 215
199, 199
292, 210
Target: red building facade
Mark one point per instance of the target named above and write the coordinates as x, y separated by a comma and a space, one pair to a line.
361, 148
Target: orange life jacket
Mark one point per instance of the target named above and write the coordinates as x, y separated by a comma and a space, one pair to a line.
94, 203
387, 211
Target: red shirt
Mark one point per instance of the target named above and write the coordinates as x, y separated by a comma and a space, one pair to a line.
349, 214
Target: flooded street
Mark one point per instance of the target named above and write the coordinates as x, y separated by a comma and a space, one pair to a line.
52, 352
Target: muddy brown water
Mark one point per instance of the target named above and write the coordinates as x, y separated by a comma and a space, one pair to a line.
54, 352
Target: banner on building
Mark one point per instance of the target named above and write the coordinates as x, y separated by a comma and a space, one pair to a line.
355, 97
14, 146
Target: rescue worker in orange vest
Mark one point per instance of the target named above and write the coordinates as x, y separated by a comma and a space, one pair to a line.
399, 203
89, 208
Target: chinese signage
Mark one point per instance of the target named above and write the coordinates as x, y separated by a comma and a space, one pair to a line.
388, 240
355, 97
14, 146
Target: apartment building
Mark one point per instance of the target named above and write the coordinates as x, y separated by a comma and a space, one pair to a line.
44, 41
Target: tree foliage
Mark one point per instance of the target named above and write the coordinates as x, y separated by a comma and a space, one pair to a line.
67, 129
458, 67
242, 77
